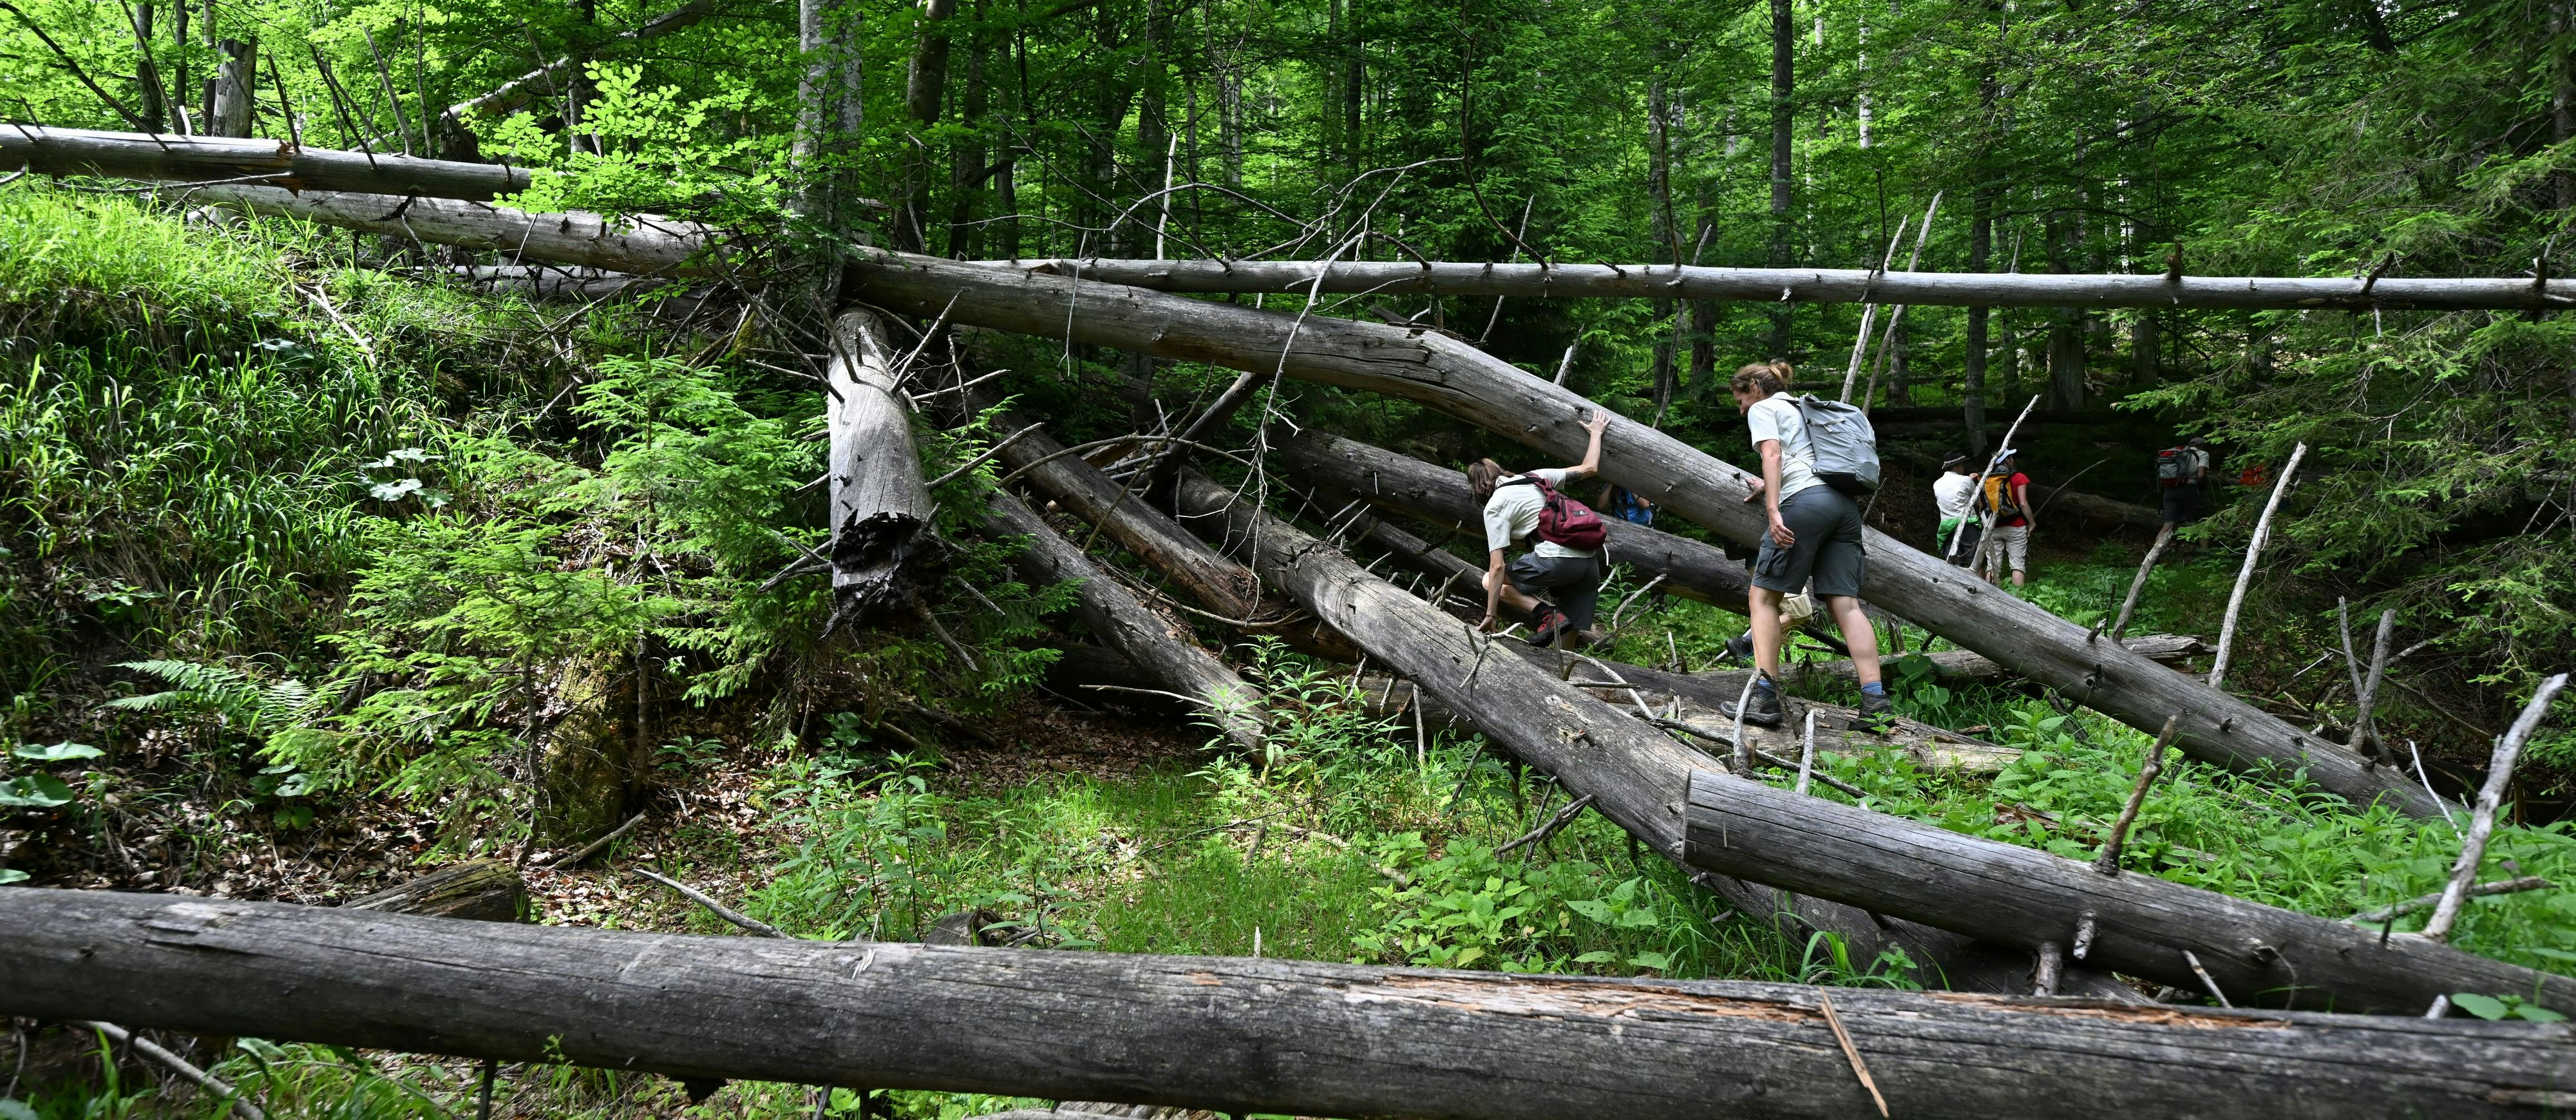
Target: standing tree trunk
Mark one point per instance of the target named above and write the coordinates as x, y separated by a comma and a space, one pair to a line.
879, 506
236, 88
1659, 200
577, 91
1354, 90
1784, 49
925, 85
966, 169
2065, 328
2562, 90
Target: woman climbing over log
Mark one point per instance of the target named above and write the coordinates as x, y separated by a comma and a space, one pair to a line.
1565, 559
1815, 536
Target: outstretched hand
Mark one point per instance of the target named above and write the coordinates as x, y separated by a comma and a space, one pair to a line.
1599, 423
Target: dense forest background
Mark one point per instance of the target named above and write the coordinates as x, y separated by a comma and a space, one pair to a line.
316, 551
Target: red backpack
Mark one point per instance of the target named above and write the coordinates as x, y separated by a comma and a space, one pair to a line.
1562, 520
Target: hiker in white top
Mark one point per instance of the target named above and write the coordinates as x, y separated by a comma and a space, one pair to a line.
1512, 512
1951, 494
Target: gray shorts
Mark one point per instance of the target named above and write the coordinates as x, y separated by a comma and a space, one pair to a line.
1828, 551
1573, 583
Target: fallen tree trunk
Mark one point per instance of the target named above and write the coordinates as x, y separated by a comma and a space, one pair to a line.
646, 244
488, 890
879, 506
1232, 1034
1822, 285
1451, 376
1120, 511
273, 163
1954, 664
1630, 770
1162, 651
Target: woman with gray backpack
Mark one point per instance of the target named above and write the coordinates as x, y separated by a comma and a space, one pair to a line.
1816, 455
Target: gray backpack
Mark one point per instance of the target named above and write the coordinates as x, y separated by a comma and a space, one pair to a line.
1845, 446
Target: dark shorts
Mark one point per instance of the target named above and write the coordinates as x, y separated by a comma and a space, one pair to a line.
1573, 583
2182, 504
1828, 551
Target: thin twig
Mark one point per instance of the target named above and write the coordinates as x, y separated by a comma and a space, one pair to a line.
2193, 959
719, 909
1561, 818
2245, 575
588, 849
2426, 902
241, 1105
2108, 862
986, 457
1860, 1068
2473, 847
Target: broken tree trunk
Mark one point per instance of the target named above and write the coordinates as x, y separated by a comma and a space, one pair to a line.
646, 243
1453, 377
1121, 512
488, 890
1822, 285
1162, 650
879, 506
2008, 895
1233, 1034
274, 163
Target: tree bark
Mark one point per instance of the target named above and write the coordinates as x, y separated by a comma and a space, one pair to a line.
1453, 377
73, 151
966, 167
488, 890
1231, 1034
925, 87
236, 88
645, 244
1222, 584
1784, 54
879, 506
1162, 649
2011, 896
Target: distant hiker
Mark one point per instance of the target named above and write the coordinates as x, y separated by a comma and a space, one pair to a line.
1565, 560
1814, 540
1627, 505
2007, 497
2180, 473
1951, 494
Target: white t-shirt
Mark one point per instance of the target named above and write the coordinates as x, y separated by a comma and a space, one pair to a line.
1951, 491
1512, 513
1776, 417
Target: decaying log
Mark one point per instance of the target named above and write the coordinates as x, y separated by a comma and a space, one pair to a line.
1453, 377
273, 163
2143, 926
488, 890
1821, 285
1953, 664
1121, 512
2008, 895
645, 244
1163, 651
879, 506
1232, 1034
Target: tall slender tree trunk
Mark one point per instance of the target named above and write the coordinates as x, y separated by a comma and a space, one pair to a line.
2562, 89
1972, 403
577, 91
1354, 90
966, 170
236, 88
1659, 197
1784, 46
179, 65
2065, 329
147, 77
1703, 312
925, 86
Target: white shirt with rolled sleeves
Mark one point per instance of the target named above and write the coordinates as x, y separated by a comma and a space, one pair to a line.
1950, 493
1776, 417
1512, 513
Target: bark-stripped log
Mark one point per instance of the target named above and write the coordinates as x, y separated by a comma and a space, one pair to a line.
1453, 377
1160, 649
879, 506
1825, 285
274, 163
2255, 951
1120, 511
1232, 1034
488, 890
646, 243
1954, 664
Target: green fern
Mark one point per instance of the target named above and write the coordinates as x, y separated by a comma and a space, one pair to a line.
227, 694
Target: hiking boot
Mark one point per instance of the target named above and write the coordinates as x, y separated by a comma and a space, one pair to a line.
1761, 709
1877, 714
1545, 624
1739, 649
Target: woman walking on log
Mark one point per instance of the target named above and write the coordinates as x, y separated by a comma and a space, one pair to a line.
1565, 560
1815, 536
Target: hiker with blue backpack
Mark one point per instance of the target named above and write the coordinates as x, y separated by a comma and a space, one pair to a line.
1816, 455
1565, 558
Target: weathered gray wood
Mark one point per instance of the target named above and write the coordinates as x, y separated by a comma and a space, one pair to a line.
2261, 955
646, 243
1162, 650
1121, 512
1234, 1034
879, 505
1822, 285
1453, 377
1996, 892
1949, 664
488, 890
236, 99
275, 163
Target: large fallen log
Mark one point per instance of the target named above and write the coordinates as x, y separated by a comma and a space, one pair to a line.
880, 509
273, 163
646, 244
1449, 375
1453, 377
1121, 512
1161, 650
2253, 951
1824, 285
1952, 664
1232, 1034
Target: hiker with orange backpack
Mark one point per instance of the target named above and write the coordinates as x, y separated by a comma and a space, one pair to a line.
1564, 560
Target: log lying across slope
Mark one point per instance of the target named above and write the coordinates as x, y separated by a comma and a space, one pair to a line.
273, 163
1824, 285
644, 244
1637, 776
1453, 377
1232, 1034
1163, 651
1121, 513
880, 508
